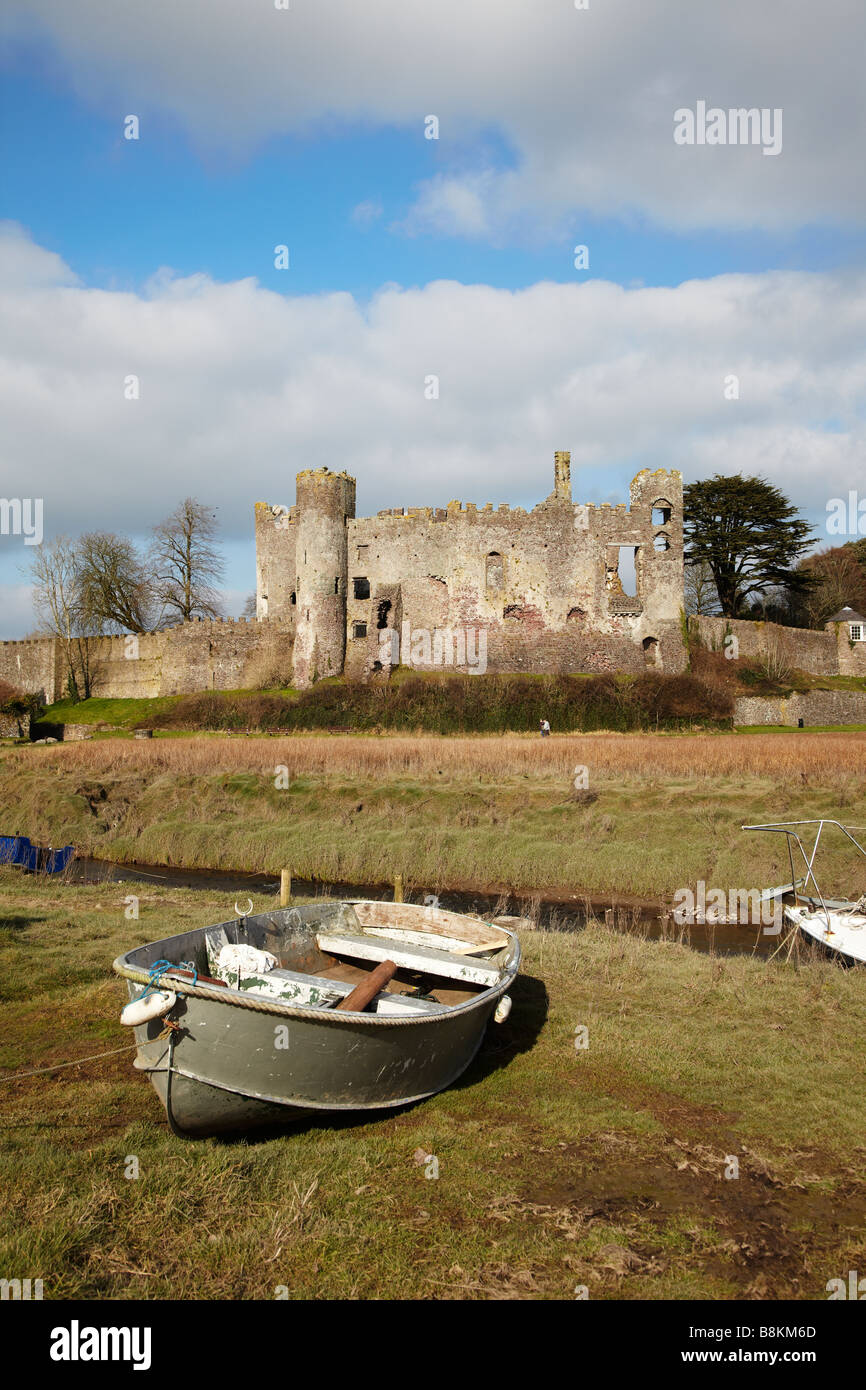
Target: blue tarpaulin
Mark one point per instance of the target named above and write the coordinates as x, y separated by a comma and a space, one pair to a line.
17, 849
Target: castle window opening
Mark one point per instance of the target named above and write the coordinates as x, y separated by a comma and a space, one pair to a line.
514, 610
337, 585
384, 610
622, 570
362, 551
661, 514
359, 630
495, 570
575, 615
661, 542
651, 651
856, 631
361, 588
294, 598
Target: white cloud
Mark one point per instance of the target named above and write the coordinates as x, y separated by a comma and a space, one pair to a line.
584, 99
22, 262
242, 387
366, 213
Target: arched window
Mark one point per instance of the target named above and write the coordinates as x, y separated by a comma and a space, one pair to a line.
662, 511
661, 542
495, 570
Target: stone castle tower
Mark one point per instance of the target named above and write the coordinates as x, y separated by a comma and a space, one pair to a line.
326, 503
546, 588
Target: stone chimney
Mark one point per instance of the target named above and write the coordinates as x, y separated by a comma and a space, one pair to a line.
562, 476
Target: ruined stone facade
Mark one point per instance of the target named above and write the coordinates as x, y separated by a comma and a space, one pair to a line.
462, 587
430, 587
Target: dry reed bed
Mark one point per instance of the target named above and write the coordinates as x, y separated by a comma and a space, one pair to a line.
494, 758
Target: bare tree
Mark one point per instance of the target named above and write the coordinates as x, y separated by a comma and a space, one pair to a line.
701, 595
113, 588
838, 580
249, 606
54, 571
187, 563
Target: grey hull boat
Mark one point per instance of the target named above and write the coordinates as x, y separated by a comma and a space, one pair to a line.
229, 1045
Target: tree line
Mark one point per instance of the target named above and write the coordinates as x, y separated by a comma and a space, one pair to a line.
101, 583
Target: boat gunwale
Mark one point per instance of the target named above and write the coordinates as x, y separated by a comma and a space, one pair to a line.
246, 1000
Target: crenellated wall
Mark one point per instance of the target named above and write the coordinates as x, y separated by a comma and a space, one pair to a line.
230, 654
544, 585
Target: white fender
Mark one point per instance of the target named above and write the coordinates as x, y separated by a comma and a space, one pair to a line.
142, 1010
503, 1009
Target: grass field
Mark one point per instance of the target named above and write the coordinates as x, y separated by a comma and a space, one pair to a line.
656, 813
559, 1167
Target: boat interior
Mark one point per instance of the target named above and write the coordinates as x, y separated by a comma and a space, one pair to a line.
318, 955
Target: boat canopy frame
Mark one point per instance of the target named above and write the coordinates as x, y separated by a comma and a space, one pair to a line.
789, 829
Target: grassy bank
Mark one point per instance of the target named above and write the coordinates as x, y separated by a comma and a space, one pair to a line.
656, 813
603, 1167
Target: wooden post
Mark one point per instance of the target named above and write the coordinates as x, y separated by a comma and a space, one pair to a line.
285, 887
398, 888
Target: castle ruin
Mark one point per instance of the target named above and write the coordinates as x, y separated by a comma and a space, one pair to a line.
543, 587
540, 591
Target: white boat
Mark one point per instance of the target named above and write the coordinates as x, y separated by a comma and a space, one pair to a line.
838, 925
842, 930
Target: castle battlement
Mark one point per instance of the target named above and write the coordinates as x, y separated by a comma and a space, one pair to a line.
535, 574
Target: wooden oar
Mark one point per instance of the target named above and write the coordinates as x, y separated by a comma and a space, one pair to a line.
361, 995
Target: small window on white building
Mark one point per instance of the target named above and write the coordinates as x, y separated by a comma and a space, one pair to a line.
856, 631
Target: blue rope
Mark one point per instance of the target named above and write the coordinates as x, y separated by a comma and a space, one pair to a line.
155, 980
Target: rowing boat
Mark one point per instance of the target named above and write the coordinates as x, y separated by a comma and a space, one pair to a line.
334, 1006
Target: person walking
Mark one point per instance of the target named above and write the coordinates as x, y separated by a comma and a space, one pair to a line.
545, 729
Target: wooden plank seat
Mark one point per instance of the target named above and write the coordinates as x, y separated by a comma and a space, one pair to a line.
314, 991
468, 969
319, 992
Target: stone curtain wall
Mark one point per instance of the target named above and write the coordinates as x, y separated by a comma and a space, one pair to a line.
813, 707
33, 666
221, 655
803, 648
828, 653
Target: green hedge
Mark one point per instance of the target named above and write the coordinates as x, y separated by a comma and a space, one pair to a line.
465, 704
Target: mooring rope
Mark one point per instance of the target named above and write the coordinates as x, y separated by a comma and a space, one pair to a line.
58, 1066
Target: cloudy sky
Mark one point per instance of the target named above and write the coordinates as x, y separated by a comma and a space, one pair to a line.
409, 257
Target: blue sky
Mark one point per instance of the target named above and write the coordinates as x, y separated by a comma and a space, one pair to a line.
308, 130
117, 210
